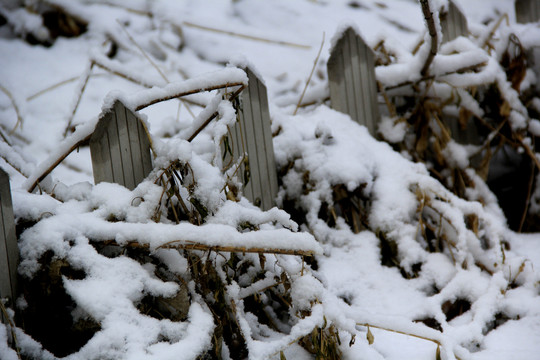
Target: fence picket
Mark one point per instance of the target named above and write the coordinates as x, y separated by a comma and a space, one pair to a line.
453, 23
9, 251
527, 11
252, 136
120, 148
352, 81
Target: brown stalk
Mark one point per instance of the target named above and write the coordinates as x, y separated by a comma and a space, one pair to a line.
58, 161
249, 37
15, 107
430, 21
214, 115
154, 65
72, 115
189, 92
492, 32
12, 328
400, 332
190, 245
310, 75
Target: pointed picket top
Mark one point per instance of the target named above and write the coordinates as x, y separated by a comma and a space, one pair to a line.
120, 148
251, 139
527, 11
9, 251
352, 81
453, 23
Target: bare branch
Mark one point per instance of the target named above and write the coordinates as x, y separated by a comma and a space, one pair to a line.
430, 21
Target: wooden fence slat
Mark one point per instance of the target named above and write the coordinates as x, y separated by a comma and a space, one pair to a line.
453, 23
252, 136
352, 81
270, 176
124, 145
527, 11
9, 251
120, 148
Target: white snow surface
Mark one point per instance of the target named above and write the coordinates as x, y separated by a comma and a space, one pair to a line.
350, 287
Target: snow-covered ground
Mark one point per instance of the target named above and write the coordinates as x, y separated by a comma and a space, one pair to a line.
491, 270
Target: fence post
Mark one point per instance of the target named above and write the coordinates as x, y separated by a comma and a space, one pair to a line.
120, 148
251, 138
527, 11
352, 81
9, 251
453, 23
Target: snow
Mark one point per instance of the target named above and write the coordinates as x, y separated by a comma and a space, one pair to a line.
349, 287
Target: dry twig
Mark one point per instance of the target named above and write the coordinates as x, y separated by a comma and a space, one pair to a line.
310, 75
15, 107
244, 36
430, 21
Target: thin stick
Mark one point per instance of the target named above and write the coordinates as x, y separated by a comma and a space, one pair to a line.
428, 15
4, 137
492, 32
58, 84
250, 37
12, 328
213, 116
122, 75
142, 51
189, 92
187, 245
153, 64
191, 245
15, 107
79, 97
52, 87
527, 199
310, 75
58, 161
400, 332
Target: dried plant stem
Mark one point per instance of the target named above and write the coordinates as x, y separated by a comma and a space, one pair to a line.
12, 328
13, 166
15, 107
154, 65
58, 161
492, 32
391, 108
87, 74
191, 245
214, 115
4, 137
57, 85
527, 199
430, 21
122, 75
310, 75
249, 37
186, 245
400, 332
189, 92
529, 151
